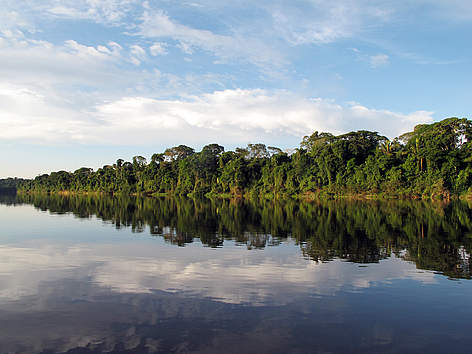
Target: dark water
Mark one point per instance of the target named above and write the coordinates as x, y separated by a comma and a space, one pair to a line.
123, 275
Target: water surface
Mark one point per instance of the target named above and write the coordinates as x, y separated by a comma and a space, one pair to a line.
126, 275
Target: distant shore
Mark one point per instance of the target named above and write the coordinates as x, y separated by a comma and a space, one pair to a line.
431, 162
306, 197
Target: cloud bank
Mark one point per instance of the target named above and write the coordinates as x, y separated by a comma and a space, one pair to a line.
231, 116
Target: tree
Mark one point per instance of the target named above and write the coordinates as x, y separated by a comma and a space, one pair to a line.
157, 158
213, 150
139, 163
178, 152
315, 140
257, 151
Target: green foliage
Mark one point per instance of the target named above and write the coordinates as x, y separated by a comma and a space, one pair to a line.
9, 185
434, 161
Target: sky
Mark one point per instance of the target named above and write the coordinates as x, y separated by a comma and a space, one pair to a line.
85, 82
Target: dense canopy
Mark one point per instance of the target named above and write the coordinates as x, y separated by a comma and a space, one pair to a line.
434, 160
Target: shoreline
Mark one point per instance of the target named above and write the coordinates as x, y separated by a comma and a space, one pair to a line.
305, 197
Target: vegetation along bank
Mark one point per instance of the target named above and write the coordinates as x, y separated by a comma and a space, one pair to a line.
433, 161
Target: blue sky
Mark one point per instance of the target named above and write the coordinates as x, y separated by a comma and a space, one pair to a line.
84, 82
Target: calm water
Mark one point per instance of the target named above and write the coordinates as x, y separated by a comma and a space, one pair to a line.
123, 275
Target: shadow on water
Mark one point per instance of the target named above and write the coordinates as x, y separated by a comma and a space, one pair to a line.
436, 236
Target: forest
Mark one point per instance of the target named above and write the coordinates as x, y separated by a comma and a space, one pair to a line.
432, 161
10, 185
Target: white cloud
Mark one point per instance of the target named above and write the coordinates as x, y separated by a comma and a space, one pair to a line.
239, 115
89, 52
28, 115
101, 11
138, 54
158, 49
78, 76
321, 22
42, 63
385, 122
44, 92
15, 22
185, 47
299, 22
66, 12
157, 24
29, 15
72, 71
231, 116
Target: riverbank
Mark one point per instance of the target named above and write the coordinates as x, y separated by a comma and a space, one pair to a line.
305, 197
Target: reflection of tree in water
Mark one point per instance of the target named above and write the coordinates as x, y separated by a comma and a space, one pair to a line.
436, 236
175, 237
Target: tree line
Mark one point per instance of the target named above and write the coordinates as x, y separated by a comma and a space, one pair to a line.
10, 185
434, 160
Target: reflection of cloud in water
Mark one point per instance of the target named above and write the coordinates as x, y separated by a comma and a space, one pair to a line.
231, 274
